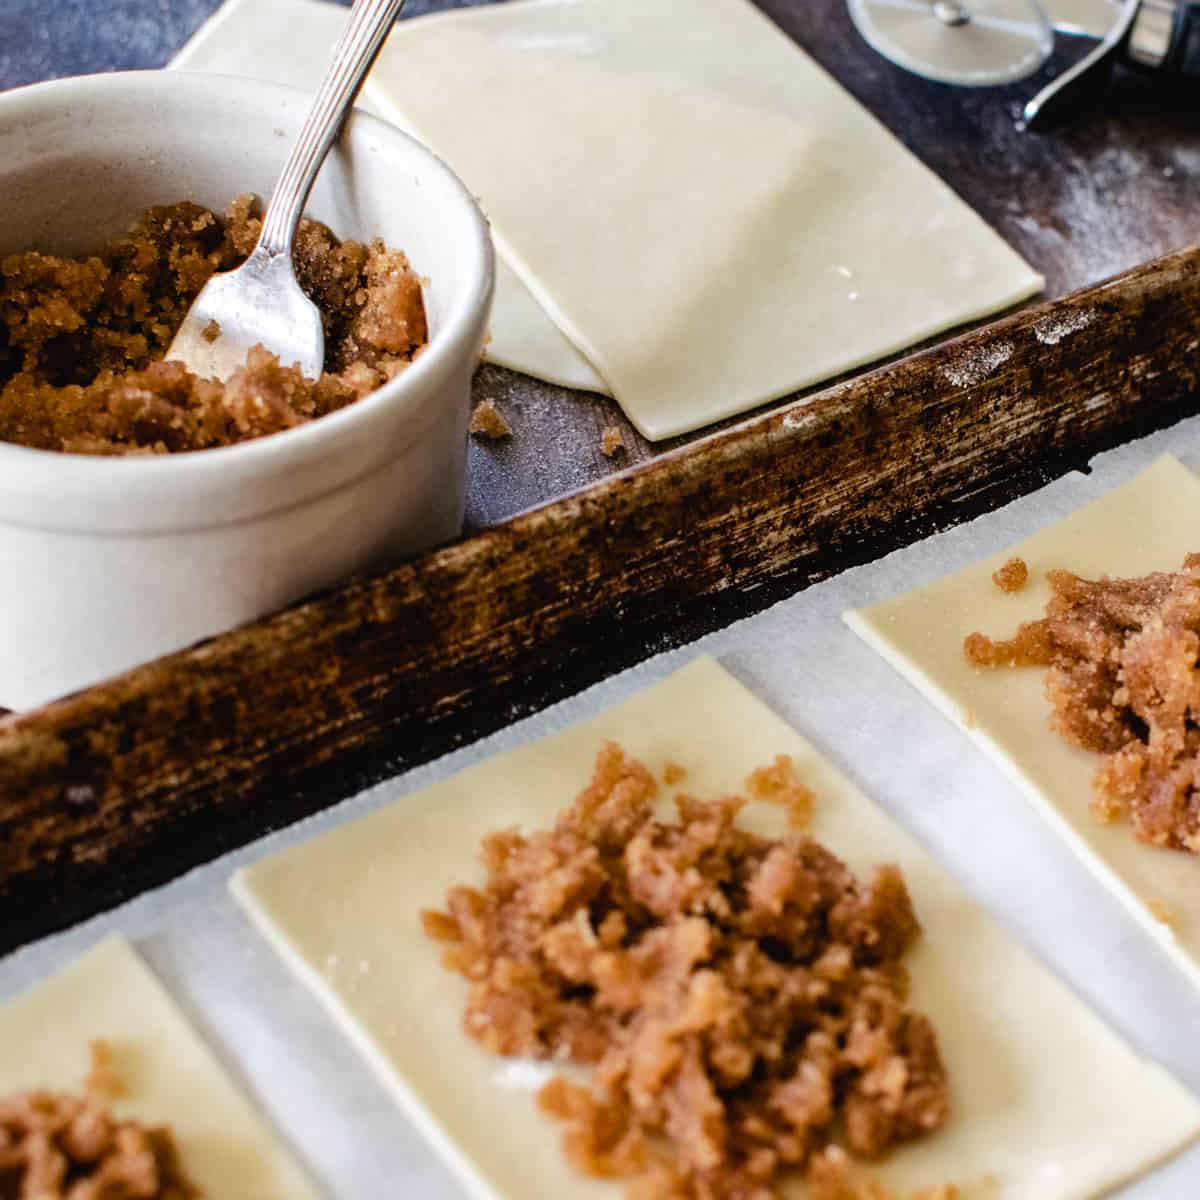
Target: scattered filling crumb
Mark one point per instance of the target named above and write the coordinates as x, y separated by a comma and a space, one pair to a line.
55, 1146
1160, 910
1011, 577
1123, 681
673, 773
211, 331
487, 421
82, 339
103, 1080
832, 1176
612, 442
780, 784
742, 1000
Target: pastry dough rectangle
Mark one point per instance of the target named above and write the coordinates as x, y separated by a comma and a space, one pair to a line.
705, 213
170, 1077
1150, 524
1034, 1074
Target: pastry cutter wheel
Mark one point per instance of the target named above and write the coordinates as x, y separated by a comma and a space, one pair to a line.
984, 43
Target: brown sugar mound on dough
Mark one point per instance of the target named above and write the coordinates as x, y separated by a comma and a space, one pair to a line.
1124, 682
55, 1146
741, 999
82, 340
1011, 577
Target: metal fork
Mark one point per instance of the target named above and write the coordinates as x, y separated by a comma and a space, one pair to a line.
262, 303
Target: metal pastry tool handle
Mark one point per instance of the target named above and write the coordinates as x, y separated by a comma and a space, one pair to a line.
1076, 87
367, 26
1159, 35
950, 12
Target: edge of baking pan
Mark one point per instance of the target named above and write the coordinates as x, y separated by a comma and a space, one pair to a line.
127, 784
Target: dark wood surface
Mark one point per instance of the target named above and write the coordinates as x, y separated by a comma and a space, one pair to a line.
1114, 190
125, 785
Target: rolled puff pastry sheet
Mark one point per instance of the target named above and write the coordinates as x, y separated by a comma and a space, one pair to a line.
170, 1077
1149, 524
1048, 1104
242, 38
709, 217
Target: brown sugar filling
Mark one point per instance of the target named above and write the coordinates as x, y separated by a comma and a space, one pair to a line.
82, 339
742, 1000
612, 442
1011, 577
487, 421
55, 1146
779, 784
1123, 681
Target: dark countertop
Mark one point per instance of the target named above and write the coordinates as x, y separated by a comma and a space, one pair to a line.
45, 39
1115, 189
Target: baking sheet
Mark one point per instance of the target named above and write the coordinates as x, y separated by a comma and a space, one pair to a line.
800, 659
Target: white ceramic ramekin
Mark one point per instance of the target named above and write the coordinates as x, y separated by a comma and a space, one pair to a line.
106, 563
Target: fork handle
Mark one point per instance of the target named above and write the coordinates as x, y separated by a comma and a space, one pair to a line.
356, 50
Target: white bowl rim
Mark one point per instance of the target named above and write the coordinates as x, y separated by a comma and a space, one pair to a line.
25, 466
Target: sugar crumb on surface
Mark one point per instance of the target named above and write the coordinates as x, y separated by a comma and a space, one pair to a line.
487, 421
612, 442
673, 772
1011, 577
780, 784
103, 1079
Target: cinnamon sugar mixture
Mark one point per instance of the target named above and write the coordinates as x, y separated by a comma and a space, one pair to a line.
81, 339
778, 784
487, 421
1123, 681
612, 442
1011, 577
55, 1146
742, 999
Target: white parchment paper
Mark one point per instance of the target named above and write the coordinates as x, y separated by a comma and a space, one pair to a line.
802, 661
